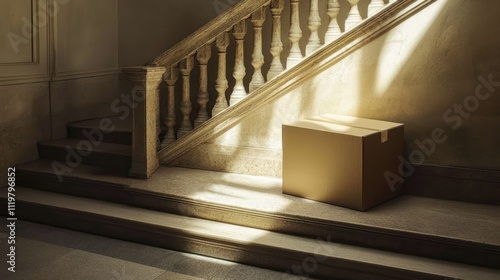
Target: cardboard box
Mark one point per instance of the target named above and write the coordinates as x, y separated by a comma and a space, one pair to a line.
342, 160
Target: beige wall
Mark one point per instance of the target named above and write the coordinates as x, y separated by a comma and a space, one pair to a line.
85, 78
66, 69
413, 74
148, 28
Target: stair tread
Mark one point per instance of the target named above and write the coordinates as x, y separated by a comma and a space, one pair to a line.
99, 147
118, 124
233, 234
419, 217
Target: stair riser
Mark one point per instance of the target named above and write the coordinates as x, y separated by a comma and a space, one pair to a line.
455, 183
72, 157
117, 137
263, 256
406, 243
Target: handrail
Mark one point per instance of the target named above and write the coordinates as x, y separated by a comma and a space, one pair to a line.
323, 58
208, 32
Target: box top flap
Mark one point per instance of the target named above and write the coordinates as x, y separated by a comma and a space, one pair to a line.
331, 127
356, 122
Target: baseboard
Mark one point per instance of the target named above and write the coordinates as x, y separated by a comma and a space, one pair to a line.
455, 183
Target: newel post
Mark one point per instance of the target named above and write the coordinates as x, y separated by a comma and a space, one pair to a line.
145, 118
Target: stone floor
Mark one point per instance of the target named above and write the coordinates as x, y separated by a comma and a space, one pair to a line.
45, 252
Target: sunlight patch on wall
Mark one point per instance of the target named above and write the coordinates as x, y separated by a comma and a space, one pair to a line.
400, 46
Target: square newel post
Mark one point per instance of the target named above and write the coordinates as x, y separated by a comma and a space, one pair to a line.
145, 119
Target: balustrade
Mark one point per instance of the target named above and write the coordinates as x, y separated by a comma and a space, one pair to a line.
221, 84
239, 91
179, 62
170, 77
203, 56
184, 65
185, 68
277, 7
314, 22
258, 19
294, 35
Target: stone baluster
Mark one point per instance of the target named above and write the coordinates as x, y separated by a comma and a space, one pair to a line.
221, 83
354, 17
276, 44
313, 22
203, 56
333, 30
258, 18
375, 6
239, 91
185, 68
170, 77
295, 55
146, 118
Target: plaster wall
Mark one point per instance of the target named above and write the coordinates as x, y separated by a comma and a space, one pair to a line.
58, 63
423, 73
86, 74
148, 28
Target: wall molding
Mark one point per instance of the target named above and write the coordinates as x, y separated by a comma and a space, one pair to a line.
85, 74
38, 69
43, 67
35, 42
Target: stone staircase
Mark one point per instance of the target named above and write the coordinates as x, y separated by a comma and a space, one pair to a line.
246, 219
89, 143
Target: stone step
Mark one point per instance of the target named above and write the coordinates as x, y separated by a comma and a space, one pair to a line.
71, 152
111, 129
447, 230
322, 259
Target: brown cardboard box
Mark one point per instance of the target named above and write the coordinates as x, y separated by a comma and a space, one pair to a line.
342, 160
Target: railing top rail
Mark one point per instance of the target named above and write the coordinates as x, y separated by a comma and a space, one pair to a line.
208, 33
